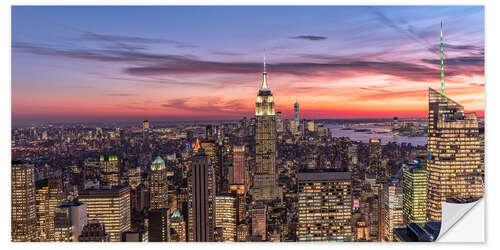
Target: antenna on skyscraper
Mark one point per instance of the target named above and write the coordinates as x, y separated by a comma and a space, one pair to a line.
442, 65
265, 61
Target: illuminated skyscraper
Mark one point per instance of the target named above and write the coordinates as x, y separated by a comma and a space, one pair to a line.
23, 211
265, 183
48, 196
324, 205
145, 125
454, 166
109, 170
374, 160
225, 216
178, 225
109, 206
202, 200
159, 213
158, 184
393, 209
239, 165
415, 193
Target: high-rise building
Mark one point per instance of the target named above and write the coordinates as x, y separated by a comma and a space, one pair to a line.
454, 166
225, 216
259, 220
94, 232
279, 122
296, 113
393, 209
210, 149
324, 205
265, 180
109, 170
145, 125
23, 209
159, 225
109, 206
239, 165
158, 184
134, 177
415, 193
178, 226
49, 195
374, 160
202, 199
69, 220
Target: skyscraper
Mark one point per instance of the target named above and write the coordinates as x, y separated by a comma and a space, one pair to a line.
109, 170
48, 196
69, 220
159, 214
393, 209
259, 220
158, 184
239, 165
296, 113
265, 183
178, 227
415, 193
454, 149
225, 216
374, 160
23, 211
202, 199
109, 206
324, 205
279, 122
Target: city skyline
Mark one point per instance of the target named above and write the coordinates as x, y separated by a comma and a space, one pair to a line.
90, 69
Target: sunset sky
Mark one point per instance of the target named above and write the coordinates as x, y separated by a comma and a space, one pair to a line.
79, 64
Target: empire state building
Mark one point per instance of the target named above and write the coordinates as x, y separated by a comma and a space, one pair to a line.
265, 182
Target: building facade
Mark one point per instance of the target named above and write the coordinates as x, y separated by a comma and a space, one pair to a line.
324, 205
23, 209
109, 206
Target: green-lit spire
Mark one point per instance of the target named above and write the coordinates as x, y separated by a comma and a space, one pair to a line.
442, 65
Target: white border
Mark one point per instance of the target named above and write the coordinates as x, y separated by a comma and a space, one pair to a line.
492, 65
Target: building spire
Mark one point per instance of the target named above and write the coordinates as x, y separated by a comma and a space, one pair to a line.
442, 65
264, 75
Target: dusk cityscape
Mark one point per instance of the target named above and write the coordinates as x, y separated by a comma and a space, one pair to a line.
244, 124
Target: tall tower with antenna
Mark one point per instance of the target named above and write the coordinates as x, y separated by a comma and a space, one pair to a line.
265, 182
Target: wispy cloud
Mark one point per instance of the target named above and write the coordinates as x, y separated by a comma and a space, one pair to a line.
210, 104
90, 36
149, 65
309, 37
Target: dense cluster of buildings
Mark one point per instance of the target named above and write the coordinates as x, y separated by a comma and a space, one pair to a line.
259, 179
